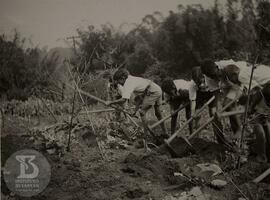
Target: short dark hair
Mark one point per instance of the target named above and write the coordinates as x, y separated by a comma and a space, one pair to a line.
266, 92
120, 73
167, 85
232, 73
208, 67
196, 74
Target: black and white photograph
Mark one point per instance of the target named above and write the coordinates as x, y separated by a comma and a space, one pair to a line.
135, 99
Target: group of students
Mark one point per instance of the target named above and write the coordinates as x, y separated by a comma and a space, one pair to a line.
227, 80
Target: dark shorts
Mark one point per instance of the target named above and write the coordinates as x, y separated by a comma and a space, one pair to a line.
203, 97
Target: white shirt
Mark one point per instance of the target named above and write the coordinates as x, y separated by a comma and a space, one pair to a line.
244, 75
223, 63
181, 84
137, 85
191, 86
261, 74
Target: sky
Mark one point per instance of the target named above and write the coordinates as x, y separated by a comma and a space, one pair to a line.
49, 22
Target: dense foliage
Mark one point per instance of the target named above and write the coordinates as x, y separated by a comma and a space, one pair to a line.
181, 40
23, 70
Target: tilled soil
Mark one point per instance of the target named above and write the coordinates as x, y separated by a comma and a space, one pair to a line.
91, 172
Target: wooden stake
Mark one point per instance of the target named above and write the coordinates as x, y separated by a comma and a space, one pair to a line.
77, 89
71, 120
210, 120
262, 176
104, 102
187, 122
167, 117
246, 110
176, 134
100, 111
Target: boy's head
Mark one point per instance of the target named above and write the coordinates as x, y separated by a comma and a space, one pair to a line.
120, 76
231, 73
169, 87
210, 69
197, 76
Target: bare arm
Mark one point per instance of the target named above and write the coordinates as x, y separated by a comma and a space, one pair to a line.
193, 107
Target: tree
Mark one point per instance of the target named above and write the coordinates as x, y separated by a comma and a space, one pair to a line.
233, 37
22, 70
247, 23
263, 30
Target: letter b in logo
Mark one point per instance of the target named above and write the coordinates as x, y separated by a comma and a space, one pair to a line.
27, 165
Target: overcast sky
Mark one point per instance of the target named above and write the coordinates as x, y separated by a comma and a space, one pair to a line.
47, 22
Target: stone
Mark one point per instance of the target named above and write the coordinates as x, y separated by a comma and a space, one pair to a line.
218, 183
213, 169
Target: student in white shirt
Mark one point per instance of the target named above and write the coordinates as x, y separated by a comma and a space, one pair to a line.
216, 71
177, 94
201, 91
151, 92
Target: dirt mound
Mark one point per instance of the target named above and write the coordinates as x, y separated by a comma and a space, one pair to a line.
157, 167
152, 165
206, 149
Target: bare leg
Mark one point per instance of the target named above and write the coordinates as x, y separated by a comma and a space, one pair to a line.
174, 118
143, 112
235, 121
217, 127
159, 117
173, 122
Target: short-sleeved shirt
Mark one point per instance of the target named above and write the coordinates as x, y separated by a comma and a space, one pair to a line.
261, 75
245, 73
223, 63
120, 91
137, 85
181, 84
189, 86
